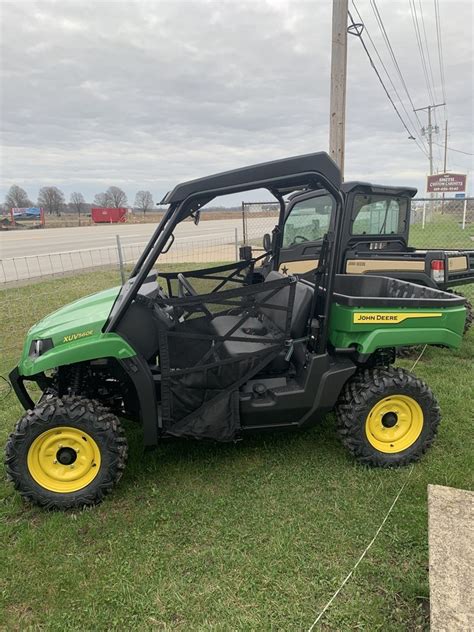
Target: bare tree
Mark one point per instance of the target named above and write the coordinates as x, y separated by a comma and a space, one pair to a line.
17, 198
101, 199
77, 202
51, 199
144, 201
116, 197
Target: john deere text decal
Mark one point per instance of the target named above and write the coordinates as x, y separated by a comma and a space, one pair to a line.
390, 318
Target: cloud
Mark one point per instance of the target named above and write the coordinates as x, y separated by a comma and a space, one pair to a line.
144, 94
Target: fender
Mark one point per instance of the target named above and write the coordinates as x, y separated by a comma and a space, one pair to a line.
93, 348
139, 372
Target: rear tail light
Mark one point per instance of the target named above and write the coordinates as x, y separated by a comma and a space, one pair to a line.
437, 270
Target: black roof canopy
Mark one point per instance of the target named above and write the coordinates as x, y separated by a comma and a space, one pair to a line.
284, 176
378, 189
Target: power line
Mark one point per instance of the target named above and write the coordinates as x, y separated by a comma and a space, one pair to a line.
388, 74
397, 66
358, 33
414, 17
392, 54
424, 64
427, 50
458, 151
440, 54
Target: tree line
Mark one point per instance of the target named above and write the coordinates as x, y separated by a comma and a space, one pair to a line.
53, 200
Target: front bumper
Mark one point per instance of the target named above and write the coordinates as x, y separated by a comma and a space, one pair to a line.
18, 384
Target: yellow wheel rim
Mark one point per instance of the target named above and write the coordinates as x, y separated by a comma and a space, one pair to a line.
394, 423
64, 459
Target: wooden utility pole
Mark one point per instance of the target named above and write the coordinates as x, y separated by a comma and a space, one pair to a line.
337, 116
445, 146
445, 156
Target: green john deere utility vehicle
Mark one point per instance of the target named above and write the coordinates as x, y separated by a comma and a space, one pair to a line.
254, 350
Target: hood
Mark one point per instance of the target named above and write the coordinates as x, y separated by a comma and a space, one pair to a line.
82, 318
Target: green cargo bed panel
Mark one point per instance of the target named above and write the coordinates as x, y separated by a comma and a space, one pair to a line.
370, 328
374, 312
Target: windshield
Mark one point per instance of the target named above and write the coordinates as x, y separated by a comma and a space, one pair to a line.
378, 215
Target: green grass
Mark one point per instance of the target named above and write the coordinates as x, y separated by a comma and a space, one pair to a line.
252, 536
443, 232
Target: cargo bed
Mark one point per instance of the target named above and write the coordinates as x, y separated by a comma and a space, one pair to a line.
394, 313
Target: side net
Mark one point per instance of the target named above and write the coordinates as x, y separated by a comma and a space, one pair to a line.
214, 343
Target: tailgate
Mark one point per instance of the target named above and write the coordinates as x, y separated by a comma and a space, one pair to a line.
460, 266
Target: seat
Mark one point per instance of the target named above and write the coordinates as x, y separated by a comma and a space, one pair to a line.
250, 329
301, 306
273, 321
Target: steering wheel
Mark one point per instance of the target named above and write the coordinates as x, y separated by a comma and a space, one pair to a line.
299, 237
184, 284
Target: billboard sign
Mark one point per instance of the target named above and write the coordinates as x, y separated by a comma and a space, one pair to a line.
33, 212
446, 183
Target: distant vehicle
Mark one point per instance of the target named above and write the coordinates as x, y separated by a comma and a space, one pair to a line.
374, 240
102, 215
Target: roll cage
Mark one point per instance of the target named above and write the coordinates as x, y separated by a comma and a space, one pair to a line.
310, 172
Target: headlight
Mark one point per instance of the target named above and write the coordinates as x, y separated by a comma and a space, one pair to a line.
40, 346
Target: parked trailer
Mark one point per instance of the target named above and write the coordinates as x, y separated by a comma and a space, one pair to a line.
102, 215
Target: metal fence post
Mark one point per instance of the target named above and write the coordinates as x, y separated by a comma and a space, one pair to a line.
424, 216
236, 242
464, 213
120, 258
244, 225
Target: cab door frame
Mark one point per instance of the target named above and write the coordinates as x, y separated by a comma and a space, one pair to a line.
301, 259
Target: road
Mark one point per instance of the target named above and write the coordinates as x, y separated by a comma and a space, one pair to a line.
52, 240
34, 253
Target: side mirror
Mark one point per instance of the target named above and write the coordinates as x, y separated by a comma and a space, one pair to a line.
267, 242
197, 217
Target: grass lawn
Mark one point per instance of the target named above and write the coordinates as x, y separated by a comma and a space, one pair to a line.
443, 232
251, 536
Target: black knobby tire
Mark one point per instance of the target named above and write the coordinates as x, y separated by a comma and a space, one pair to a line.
409, 352
79, 414
357, 400
469, 311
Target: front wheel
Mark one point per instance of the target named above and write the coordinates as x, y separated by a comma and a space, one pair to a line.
68, 452
387, 417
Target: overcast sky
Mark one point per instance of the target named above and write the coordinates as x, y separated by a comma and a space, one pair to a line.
145, 94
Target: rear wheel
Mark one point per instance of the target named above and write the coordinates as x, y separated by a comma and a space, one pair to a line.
387, 417
68, 452
469, 311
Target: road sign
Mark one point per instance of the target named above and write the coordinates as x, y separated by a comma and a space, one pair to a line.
446, 183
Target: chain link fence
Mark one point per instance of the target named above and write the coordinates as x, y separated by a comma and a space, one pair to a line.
438, 223
258, 218
434, 223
